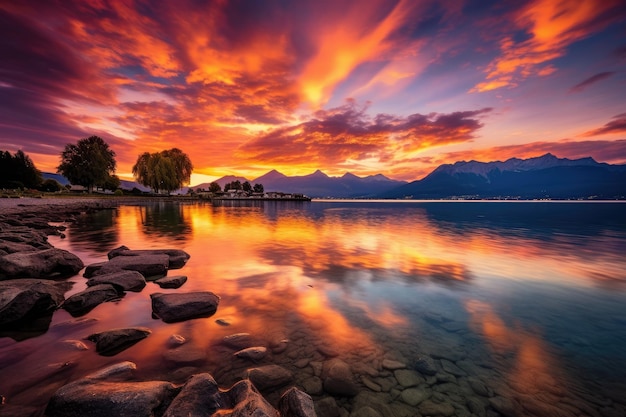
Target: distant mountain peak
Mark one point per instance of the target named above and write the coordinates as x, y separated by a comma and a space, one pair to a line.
318, 173
270, 176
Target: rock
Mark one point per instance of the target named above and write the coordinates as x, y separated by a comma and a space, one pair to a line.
371, 385
83, 302
479, 387
150, 266
185, 355
200, 396
327, 407
14, 247
176, 258
114, 341
451, 368
429, 408
295, 403
23, 298
179, 307
124, 280
327, 351
408, 378
91, 269
279, 346
253, 353
223, 322
414, 396
505, 406
176, 340
97, 398
171, 282
365, 412
238, 340
47, 263
338, 378
269, 377
392, 365
425, 365
245, 401
313, 386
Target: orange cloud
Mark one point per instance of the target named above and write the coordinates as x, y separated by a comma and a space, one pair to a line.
551, 27
617, 125
348, 133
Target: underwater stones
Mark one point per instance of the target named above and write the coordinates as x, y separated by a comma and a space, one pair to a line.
255, 353
171, 282
452, 368
83, 302
20, 298
269, 377
177, 307
199, 396
338, 378
47, 263
313, 386
365, 412
371, 385
392, 365
425, 365
186, 354
125, 280
238, 340
176, 340
112, 342
430, 408
408, 378
414, 396
479, 387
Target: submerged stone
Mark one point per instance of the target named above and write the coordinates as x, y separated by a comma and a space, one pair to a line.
112, 342
47, 263
184, 306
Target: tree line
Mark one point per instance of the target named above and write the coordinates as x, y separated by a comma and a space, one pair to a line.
91, 163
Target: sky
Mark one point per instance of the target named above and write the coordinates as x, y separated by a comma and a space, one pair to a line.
396, 87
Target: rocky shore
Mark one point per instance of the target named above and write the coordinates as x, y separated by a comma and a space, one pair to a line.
32, 287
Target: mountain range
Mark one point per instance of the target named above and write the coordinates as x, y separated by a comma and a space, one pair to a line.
319, 185
535, 178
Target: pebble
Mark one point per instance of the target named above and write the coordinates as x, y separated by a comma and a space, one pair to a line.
392, 365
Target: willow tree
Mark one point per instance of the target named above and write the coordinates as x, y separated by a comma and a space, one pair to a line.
88, 163
163, 171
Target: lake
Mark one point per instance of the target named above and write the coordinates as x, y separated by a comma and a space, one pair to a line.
519, 307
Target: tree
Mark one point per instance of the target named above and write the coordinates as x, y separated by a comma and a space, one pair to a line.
246, 187
51, 186
214, 187
163, 171
111, 183
258, 188
88, 163
18, 171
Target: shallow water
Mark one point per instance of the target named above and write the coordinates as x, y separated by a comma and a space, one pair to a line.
519, 304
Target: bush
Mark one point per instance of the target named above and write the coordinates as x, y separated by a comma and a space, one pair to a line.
118, 192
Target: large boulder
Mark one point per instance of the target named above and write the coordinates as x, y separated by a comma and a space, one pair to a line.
112, 342
184, 306
83, 302
47, 263
124, 280
177, 258
245, 401
150, 266
22, 298
97, 395
200, 396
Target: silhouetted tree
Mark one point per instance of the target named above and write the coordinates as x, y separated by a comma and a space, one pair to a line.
246, 187
51, 186
17, 171
214, 187
88, 163
163, 171
112, 183
258, 188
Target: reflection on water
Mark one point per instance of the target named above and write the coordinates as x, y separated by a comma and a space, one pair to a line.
520, 305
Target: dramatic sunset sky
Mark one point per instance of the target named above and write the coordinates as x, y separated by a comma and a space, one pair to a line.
365, 86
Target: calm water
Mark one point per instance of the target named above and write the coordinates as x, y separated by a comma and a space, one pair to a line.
527, 298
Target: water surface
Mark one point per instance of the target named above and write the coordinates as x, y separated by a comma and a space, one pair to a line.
525, 298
